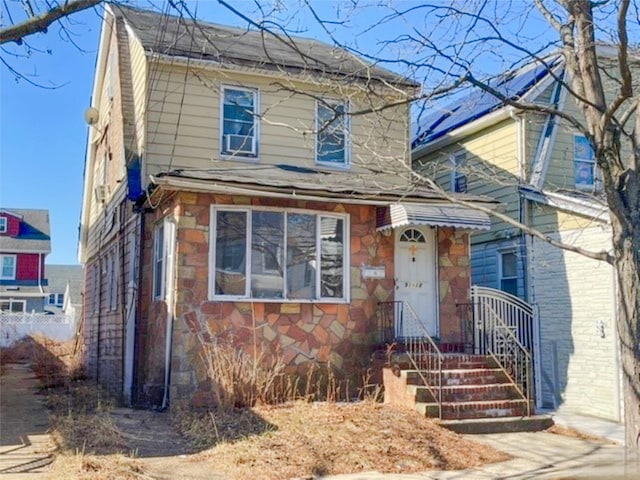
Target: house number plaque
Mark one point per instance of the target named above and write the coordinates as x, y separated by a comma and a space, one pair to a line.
369, 271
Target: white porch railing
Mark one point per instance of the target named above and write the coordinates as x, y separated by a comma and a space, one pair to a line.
505, 324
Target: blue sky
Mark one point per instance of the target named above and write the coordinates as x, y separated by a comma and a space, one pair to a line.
42, 131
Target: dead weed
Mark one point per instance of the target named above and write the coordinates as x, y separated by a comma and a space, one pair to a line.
311, 439
573, 433
82, 466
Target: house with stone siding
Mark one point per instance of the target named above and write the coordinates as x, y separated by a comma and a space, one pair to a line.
543, 171
241, 185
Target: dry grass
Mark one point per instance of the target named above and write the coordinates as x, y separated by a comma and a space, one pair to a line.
82, 466
90, 446
311, 439
54, 362
573, 433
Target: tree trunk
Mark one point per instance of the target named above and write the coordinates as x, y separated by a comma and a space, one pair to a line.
623, 203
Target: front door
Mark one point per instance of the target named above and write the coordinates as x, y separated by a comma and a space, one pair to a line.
415, 281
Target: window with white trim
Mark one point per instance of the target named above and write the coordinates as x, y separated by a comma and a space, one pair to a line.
163, 241
508, 271
3, 224
332, 127
458, 178
584, 164
56, 299
278, 254
7, 267
240, 126
13, 306
158, 261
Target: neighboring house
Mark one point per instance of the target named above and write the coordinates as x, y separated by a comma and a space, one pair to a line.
24, 245
229, 194
64, 288
544, 174
60, 279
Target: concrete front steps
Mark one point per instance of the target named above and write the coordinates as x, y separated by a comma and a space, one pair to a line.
476, 395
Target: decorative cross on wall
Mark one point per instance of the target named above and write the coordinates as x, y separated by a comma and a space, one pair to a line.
413, 249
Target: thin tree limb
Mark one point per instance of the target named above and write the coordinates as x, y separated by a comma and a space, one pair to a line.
39, 23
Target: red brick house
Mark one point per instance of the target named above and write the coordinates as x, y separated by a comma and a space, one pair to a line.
24, 245
231, 189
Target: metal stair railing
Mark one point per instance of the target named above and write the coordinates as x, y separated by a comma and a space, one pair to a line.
420, 348
495, 337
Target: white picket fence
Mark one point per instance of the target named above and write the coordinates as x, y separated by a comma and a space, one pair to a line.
13, 327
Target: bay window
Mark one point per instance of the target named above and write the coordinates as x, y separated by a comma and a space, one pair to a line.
277, 254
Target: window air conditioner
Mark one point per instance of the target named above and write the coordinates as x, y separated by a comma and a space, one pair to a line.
101, 193
243, 144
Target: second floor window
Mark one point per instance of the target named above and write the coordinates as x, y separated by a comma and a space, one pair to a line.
3, 224
332, 129
584, 164
7, 267
458, 178
239, 122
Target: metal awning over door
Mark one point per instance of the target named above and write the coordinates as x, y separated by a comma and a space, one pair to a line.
402, 214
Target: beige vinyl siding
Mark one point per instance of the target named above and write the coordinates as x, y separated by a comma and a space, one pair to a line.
183, 129
535, 123
492, 168
576, 303
139, 80
560, 170
105, 109
550, 219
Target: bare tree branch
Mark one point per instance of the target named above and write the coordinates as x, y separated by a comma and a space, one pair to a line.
40, 23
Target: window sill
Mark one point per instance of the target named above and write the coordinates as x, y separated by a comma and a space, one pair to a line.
333, 166
239, 158
219, 299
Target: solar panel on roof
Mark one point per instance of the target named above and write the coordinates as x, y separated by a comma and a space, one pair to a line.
478, 103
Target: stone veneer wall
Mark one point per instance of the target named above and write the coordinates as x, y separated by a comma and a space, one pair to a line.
152, 324
454, 276
327, 333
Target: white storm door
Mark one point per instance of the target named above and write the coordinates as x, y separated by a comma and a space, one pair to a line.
415, 273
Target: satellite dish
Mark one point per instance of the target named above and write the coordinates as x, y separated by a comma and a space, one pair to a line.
91, 115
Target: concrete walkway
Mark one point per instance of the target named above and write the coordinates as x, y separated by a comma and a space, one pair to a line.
26, 449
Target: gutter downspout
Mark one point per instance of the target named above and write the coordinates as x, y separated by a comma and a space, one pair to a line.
40, 272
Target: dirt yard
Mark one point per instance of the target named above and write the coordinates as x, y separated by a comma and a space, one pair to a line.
298, 440
94, 440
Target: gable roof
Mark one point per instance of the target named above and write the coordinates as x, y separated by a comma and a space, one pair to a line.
514, 85
177, 36
58, 276
34, 233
